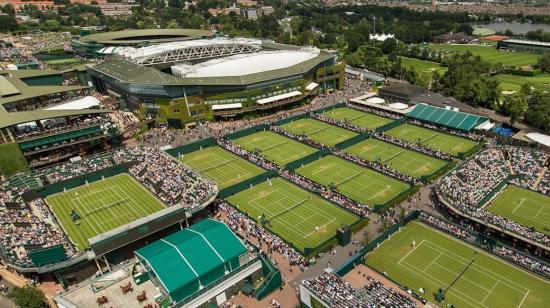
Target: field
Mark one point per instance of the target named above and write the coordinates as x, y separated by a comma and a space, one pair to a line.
431, 138
62, 61
359, 183
523, 206
321, 132
102, 206
358, 118
492, 55
423, 67
297, 216
514, 82
407, 161
275, 147
221, 166
436, 260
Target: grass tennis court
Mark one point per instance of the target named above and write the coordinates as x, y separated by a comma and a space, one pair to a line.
491, 54
62, 61
297, 216
523, 206
221, 166
321, 132
432, 139
275, 147
359, 183
404, 160
437, 259
102, 206
358, 118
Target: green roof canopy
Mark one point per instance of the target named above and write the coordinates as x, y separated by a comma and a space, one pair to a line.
197, 256
446, 117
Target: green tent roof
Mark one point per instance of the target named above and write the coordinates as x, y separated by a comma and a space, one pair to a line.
446, 117
186, 256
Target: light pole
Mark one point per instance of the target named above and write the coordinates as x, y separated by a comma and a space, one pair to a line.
374, 31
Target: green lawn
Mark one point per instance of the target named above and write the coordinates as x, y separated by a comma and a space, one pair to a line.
514, 82
357, 118
491, 54
523, 206
359, 183
437, 259
423, 67
296, 215
61, 61
102, 206
321, 132
433, 139
275, 147
221, 166
404, 160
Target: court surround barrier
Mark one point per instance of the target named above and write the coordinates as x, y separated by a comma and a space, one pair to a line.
273, 279
247, 131
48, 255
292, 119
307, 159
397, 199
391, 125
352, 141
192, 147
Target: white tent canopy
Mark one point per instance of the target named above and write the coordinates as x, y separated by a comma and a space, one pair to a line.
485, 126
278, 97
539, 138
398, 106
227, 106
375, 100
81, 103
312, 85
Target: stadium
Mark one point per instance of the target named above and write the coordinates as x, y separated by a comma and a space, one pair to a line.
184, 82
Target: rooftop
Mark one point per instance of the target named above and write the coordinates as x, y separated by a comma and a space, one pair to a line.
527, 42
132, 37
246, 64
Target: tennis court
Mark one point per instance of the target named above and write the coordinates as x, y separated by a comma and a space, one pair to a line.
433, 139
359, 183
296, 215
403, 160
102, 206
357, 118
421, 257
280, 149
221, 166
523, 206
321, 132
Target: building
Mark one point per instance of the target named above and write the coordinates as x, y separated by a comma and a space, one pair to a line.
247, 2
43, 121
116, 9
401, 92
453, 38
267, 10
480, 31
41, 5
199, 80
251, 14
90, 45
524, 46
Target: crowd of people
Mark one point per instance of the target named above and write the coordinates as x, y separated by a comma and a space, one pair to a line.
266, 241
23, 48
466, 187
335, 197
338, 293
469, 135
172, 181
380, 112
28, 225
466, 232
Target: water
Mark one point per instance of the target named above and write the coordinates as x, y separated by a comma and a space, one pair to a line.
516, 27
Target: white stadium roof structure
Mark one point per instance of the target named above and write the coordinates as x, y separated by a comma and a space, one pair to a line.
246, 64
189, 50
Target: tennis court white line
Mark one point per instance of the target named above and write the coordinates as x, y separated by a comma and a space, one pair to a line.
521, 303
432, 263
490, 291
414, 248
320, 227
519, 204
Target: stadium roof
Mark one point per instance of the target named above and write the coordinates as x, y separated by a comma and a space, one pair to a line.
185, 260
446, 117
12, 80
539, 138
246, 64
132, 73
527, 42
134, 37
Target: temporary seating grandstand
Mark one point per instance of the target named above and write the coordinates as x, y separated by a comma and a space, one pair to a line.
446, 117
187, 261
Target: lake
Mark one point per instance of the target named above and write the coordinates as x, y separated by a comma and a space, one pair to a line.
516, 27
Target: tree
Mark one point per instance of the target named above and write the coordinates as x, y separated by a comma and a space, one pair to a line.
389, 45
515, 106
7, 23
354, 40
28, 296
544, 62
538, 112
508, 32
466, 28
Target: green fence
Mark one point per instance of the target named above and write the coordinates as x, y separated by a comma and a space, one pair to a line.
273, 279
333, 241
495, 191
358, 257
48, 255
438, 173
397, 199
192, 147
347, 143
246, 132
291, 119
338, 105
307, 159
231, 190
471, 152
391, 125
81, 180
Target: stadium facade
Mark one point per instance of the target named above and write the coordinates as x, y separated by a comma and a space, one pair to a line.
196, 80
46, 116
524, 46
